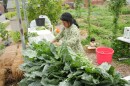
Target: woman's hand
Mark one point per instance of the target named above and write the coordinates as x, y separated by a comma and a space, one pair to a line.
56, 43
53, 41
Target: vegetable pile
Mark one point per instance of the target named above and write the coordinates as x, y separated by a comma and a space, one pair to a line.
32, 34
47, 65
40, 28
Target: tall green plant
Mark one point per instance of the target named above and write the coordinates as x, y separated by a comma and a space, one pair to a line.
51, 8
115, 7
78, 5
3, 32
88, 18
15, 36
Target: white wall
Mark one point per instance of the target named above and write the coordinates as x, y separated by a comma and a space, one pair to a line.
11, 4
128, 1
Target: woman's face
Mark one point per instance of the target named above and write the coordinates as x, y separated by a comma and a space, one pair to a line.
66, 24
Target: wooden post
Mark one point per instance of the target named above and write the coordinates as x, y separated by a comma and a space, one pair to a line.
20, 24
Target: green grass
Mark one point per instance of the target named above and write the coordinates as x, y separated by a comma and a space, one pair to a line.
127, 61
2, 46
9, 15
1, 49
126, 10
102, 23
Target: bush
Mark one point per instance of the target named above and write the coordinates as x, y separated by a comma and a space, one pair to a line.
85, 41
51, 8
3, 32
2, 46
121, 49
15, 36
9, 15
1, 49
126, 10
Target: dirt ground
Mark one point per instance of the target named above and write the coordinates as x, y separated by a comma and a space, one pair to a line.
123, 69
9, 65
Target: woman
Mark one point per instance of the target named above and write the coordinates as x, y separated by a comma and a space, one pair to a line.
70, 34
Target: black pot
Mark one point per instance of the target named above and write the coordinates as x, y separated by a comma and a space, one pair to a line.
40, 21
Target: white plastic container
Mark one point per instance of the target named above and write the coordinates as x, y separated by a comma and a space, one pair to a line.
126, 33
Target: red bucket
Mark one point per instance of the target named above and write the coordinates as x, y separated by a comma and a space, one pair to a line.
104, 54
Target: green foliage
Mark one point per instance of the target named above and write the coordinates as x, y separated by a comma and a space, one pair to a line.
15, 35
102, 36
86, 41
126, 61
1, 49
3, 32
100, 11
41, 28
51, 8
125, 10
121, 49
115, 7
78, 6
66, 7
2, 46
102, 26
88, 18
47, 65
34, 34
9, 15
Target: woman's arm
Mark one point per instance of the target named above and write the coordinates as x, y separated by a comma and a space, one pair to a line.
59, 36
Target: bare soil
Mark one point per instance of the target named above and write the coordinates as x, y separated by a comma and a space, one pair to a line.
7, 59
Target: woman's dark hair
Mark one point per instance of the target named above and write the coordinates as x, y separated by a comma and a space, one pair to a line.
68, 17
92, 39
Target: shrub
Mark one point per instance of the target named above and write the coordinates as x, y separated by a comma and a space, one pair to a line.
2, 46
51, 8
121, 49
9, 15
3, 32
15, 36
126, 10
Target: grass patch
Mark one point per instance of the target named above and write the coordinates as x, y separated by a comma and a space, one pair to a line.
127, 61
102, 25
2, 47
126, 9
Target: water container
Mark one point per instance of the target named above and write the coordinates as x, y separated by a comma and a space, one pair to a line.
104, 54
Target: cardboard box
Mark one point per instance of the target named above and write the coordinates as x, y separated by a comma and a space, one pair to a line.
89, 49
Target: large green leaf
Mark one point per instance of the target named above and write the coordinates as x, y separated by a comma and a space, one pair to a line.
49, 82
77, 83
34, 84
105, 66
29, 53
65, 83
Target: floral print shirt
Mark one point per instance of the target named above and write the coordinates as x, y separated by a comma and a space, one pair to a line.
71, 36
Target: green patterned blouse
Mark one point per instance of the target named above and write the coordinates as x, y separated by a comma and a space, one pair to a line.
71, 36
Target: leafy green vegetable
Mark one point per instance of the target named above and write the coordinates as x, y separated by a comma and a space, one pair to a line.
60, 66
32, 34
40, 28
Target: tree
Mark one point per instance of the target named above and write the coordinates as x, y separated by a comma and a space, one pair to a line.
115, 7
51, 8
